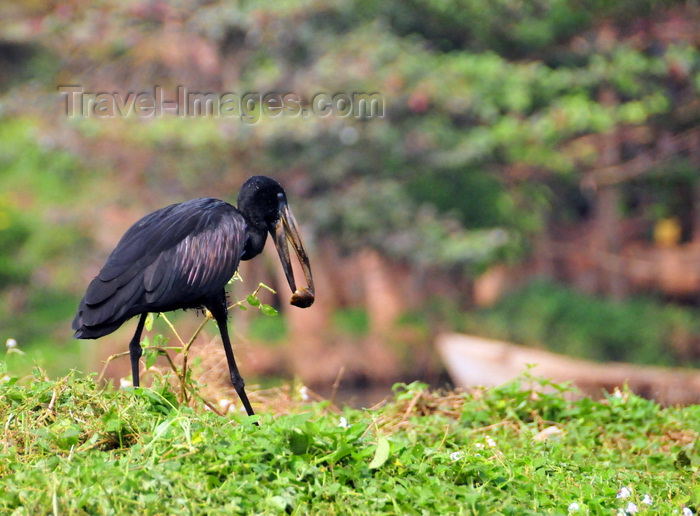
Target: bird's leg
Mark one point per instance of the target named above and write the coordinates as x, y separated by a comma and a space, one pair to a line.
220, 314
135, 350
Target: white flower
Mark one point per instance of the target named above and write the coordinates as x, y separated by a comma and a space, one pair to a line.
11, 345
480, 446
304, 393
343, 422
456, 455
574, 507
124, 383
631, 508
647, 499
490, 442
687, 512
624, 493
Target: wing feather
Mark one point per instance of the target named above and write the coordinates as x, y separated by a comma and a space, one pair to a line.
155, 272
172, 258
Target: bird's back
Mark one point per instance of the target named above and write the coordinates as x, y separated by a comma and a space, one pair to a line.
176, 257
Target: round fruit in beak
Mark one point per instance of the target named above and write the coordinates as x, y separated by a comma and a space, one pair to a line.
303, 298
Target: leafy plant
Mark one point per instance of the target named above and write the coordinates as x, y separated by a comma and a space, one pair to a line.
188, 388
72, 447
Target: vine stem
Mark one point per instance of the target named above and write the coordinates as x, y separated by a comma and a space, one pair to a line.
186, 390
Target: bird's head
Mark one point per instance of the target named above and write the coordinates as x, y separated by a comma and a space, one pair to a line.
264, 202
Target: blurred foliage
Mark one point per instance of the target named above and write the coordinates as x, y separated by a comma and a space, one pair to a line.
39, 235
562, 319
352, 321
480, 100
269, 330
486, 106
13, 235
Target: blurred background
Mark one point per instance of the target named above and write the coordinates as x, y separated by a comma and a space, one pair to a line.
530, 174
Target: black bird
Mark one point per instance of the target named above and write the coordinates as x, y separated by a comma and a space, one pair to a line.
182, 257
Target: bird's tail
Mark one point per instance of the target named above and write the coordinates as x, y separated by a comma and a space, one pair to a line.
92, 332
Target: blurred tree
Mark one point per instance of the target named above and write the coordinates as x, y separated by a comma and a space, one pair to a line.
488, 107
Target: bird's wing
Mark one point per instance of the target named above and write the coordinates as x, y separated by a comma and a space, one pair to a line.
170, 258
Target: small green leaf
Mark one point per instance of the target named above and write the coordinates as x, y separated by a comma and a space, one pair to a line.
381, 453
151, 358
114, 425
145, 342
278, 503
159, 340
269, 310
68, 437
695, 495
253, 301
149, 321
110, 415
343, 451
298, 442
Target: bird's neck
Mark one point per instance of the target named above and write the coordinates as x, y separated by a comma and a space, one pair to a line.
255, 241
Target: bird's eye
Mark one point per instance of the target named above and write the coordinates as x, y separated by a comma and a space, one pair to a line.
280, 197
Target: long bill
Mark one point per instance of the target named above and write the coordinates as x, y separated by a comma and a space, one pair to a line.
287, 229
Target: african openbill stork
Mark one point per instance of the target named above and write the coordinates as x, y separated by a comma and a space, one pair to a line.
182, 257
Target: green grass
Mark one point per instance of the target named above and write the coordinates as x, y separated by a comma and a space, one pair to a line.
71, 447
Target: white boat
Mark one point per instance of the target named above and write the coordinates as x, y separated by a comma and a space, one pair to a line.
475, 362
